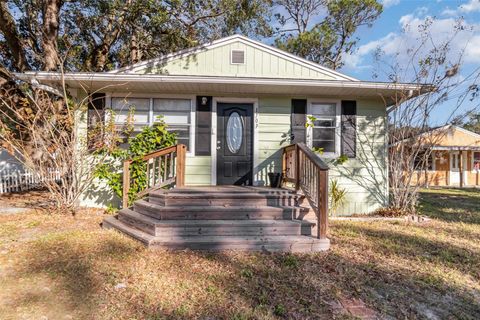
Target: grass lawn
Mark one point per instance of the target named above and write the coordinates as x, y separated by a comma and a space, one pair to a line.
59, 267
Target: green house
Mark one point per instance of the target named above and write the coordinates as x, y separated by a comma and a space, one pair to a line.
263, 139
236, 103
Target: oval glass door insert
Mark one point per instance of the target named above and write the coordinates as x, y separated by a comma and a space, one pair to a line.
234, 132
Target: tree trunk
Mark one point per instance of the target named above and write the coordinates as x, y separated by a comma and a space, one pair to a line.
51, 11
13, 40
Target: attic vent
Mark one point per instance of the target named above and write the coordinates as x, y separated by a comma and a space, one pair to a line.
238, 57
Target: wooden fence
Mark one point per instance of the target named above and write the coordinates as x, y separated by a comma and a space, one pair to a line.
15, 180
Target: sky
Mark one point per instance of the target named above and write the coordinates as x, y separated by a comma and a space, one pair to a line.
387, 34
397, 29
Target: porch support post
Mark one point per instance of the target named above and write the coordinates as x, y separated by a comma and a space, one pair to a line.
460, 167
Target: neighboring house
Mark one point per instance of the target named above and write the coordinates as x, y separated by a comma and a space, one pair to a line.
8, 163
267, 94
454, 159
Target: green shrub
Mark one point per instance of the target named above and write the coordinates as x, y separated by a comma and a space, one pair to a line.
151, 138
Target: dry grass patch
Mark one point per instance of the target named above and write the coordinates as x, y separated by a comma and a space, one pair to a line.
62, 267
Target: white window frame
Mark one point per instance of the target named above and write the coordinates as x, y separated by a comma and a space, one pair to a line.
338, 128
152, 96
473, 163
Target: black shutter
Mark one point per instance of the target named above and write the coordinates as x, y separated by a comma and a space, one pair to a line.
203, 130
298, 120
95, 119
349, 128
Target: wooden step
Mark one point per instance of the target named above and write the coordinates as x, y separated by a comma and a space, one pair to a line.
215, 212
215, 243
223, 199
226, 189
213, 227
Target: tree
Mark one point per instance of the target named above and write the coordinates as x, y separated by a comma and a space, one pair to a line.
325, 42
37, 126
473, 122
434, 65
101, 35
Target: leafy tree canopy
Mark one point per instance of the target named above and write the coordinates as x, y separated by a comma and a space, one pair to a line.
99, 35
327, 41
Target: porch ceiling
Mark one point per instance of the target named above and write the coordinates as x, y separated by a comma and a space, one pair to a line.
105, 82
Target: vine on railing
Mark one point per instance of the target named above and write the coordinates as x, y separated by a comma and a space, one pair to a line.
162, 167
303, 168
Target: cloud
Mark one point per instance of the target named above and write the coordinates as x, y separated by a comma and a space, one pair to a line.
399, 44
466, 8
472, 6
390, 3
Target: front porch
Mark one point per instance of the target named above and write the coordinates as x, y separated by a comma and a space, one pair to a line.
221, 218
228, 217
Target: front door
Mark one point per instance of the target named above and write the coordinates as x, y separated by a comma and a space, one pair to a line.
234, 144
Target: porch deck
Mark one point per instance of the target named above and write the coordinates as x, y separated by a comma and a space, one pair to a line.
220, 218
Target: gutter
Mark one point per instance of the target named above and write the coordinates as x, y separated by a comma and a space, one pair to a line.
93, 77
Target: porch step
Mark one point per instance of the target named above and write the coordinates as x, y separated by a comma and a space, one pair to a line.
224, 198
157, 227
220, 218
284, 243
226, 189
216, 212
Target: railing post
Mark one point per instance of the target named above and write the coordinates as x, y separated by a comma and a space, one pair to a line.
322, 217
297, 167
180, 166
126, 183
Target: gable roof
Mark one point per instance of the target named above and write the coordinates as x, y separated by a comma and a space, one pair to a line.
445, 128
162, 60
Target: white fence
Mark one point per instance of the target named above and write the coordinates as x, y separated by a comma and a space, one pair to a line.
14, 180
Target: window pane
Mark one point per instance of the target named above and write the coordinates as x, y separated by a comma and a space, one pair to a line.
328, 146
174, 117
323, 122
176, 114
323, 134
324, 109
122, 106
324, 138
161, 105
183, 134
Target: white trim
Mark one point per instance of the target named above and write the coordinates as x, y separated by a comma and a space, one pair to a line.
254, 102
241, 39
124, 78
474, 134
151, 97
244, 57
338, 128
457, 171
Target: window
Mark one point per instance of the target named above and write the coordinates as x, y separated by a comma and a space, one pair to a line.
141, 109
324, 127
476, 161
421, 163
177, 114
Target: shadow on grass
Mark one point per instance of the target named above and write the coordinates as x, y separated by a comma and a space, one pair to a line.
452, 205
269, 286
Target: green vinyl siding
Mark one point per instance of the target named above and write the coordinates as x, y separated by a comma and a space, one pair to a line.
198, 170
273, 134
216, 62
364, 178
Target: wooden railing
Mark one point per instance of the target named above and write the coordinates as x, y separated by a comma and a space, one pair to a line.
163, 167
308, 173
